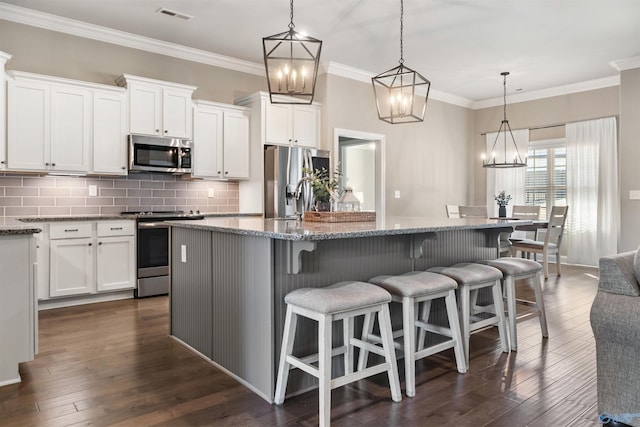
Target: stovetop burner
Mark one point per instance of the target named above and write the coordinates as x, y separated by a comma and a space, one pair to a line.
164, 215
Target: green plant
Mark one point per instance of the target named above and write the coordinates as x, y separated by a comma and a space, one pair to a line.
502, 198
324, 187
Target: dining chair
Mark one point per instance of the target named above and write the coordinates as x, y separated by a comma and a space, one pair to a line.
473, 211
452, 211
551, 243
525, 212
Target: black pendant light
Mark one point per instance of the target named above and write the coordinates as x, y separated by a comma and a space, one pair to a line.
509, 156
401, 93
291, 60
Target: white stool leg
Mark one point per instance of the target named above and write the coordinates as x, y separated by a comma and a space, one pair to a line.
537, 289
288, 336
367, 329
454, 325
509, 284
558, 263
324, 369
497, 301
386, 333
465, 320
409, 336
424, 316
347, 333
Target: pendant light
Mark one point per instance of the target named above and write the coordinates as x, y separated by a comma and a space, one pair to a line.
401, 93
509, 156
291, 60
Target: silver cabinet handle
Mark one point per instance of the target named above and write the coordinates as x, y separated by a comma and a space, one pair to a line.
70, 230
116, 228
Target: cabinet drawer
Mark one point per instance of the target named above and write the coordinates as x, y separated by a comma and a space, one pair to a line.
70, 230
116, 228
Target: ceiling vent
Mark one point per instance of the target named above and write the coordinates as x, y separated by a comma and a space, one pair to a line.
174, 14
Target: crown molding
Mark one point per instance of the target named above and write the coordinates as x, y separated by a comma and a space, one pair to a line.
337, 69
626, 63
82, 29
550, 92
4, 57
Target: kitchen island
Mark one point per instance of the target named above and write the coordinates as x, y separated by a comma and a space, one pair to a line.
230, 276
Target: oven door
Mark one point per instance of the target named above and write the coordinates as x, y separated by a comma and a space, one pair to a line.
154, 249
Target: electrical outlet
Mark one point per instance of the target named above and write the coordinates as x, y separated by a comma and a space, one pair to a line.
93, 190
210, 193
397, 194
183, 253
634, 195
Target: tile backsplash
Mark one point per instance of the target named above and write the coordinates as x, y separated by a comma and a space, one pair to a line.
25, 195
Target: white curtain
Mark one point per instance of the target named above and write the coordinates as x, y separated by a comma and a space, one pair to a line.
511, 180
593, 218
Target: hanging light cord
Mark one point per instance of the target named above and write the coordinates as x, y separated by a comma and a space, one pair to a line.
401, 30
504, 84
291, 25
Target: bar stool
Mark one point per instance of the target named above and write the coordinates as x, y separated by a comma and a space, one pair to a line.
473, 277
342, 301
411, 290
514, 269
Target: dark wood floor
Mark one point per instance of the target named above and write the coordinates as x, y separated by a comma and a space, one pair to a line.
114, 364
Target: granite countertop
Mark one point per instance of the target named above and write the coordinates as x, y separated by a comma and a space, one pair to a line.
12, 227
312, 231
59, 218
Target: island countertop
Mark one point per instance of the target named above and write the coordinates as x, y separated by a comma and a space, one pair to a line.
313, 231
12, 227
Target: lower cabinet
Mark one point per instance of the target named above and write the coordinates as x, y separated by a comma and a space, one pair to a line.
89, 257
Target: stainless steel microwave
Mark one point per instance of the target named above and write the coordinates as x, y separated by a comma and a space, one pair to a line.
157, 154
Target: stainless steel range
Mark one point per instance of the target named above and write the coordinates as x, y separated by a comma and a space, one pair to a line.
154, 250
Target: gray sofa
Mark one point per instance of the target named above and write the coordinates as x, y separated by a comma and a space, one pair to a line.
615, 320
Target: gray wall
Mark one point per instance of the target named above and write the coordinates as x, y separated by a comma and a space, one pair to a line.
629, 156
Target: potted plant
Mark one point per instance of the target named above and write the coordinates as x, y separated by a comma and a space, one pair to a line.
503, 200
325, 189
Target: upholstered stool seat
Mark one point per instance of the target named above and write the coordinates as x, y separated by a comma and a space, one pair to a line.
411, 290
514, 269
470, 278
342, 301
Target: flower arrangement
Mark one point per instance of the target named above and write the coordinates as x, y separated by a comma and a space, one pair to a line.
502, 198
324, 188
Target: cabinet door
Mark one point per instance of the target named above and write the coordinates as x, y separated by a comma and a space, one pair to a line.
3, 117
207, 143
146, 109
71, 267
115, 263
70, 129
278, 124
176, 113
29, 125
236, 144
306, 125
109, 134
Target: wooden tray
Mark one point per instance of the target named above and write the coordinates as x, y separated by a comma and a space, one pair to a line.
361, 216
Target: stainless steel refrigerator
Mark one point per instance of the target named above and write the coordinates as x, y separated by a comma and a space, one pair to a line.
284, 191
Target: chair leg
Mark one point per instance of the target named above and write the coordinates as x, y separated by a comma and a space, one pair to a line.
454, 325
497, 301
386, 333
367, 329
558, 263
509, 284
347, 333
465, 320
537, 289
409, 337
290, 324
424, 316
324, 369
545, 265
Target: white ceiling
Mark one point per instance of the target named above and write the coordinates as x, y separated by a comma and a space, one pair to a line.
460, 45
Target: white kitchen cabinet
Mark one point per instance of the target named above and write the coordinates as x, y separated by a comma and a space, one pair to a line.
221, 141
288, 124
4, 57
18, 314
116, 256
159, 108
70, 128
71, 259
109, 133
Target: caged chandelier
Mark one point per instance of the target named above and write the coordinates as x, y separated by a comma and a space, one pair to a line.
291, 60
401, 93
510, 156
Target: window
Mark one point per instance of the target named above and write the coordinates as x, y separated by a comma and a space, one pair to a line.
546, 175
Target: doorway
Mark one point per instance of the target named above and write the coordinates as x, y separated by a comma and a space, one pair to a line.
361, 158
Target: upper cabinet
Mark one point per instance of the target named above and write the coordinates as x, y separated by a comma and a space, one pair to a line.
220, 141
55, 125
4, 57
288, 124
158, 108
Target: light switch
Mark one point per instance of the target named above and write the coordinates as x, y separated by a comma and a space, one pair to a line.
93, 190
397, 194
183, 253
211, 193
634, 195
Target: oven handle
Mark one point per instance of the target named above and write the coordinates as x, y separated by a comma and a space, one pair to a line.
153, 225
